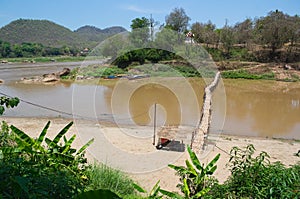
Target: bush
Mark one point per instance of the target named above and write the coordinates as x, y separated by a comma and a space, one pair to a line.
255, 177
28, 169
100, 71
23, 178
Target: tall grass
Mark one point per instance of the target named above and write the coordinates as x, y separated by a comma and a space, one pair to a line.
102, 176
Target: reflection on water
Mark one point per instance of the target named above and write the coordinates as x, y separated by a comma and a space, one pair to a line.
254, 108
143, 99
262, 108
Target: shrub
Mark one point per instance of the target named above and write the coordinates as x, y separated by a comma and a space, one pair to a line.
255, 177
194, 178
8, 103
28, 169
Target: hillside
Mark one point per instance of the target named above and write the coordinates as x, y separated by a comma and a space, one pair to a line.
39, 31
94, 34
51, 34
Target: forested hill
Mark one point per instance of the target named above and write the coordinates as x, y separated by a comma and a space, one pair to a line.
51, 34
94, 34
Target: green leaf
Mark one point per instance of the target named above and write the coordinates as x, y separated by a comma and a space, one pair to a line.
100, 193
62, 133
194, 159
22, 182
171, 194
138, 188
201, 193
10, 150
211, 167
23, 136
85, 146
186, 189
65, 139
212, 170
179, 169
155, 189
43, 133
2, 109
191, 168
68, 144
48, 142
59, 157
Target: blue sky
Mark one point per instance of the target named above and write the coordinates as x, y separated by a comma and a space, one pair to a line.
76, 13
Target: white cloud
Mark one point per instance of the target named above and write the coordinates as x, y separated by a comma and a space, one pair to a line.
135, 8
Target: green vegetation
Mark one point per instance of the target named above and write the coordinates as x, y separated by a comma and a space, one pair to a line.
194, 177
256, 177
47, 33
47, 59
94, 35
28, 169
45, 38
40, 31
6, 102
30, 50
101, 176
244, 74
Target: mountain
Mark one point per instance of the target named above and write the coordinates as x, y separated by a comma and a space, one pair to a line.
39, 31
94, 34
51, 34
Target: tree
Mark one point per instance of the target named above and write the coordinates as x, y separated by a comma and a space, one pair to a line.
140, 33
166, 39
5, 49
139, 23
244, 32
227, 38
178, 20
293, 34
272, 30
198, 31
204, 33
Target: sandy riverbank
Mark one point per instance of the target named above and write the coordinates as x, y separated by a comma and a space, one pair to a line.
132, 151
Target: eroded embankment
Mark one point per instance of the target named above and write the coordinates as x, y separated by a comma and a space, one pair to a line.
201, 132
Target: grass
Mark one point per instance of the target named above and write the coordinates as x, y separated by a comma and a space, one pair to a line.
243, 74
104, 177
46, 59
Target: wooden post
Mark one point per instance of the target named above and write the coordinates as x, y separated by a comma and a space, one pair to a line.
154, 125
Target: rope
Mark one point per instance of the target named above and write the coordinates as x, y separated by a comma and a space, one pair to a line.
66, 113
222, 150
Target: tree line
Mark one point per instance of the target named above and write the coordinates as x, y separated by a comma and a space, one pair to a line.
274, 37
33, 50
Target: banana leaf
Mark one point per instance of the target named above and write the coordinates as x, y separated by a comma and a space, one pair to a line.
62, 133
43, 133
194, 159
85, 146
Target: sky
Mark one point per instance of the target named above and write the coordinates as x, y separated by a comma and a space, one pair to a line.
102, 14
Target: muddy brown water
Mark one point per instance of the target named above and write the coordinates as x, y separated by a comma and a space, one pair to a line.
245, 107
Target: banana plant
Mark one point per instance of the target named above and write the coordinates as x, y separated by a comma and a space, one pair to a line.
153, 194
193, 177
55, 153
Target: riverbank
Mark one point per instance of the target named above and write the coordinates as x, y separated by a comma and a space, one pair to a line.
266, 71
139, 149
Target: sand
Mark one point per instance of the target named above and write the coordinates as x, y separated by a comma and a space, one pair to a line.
131, 149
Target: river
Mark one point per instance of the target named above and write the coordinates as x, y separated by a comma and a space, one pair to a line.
242, 107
